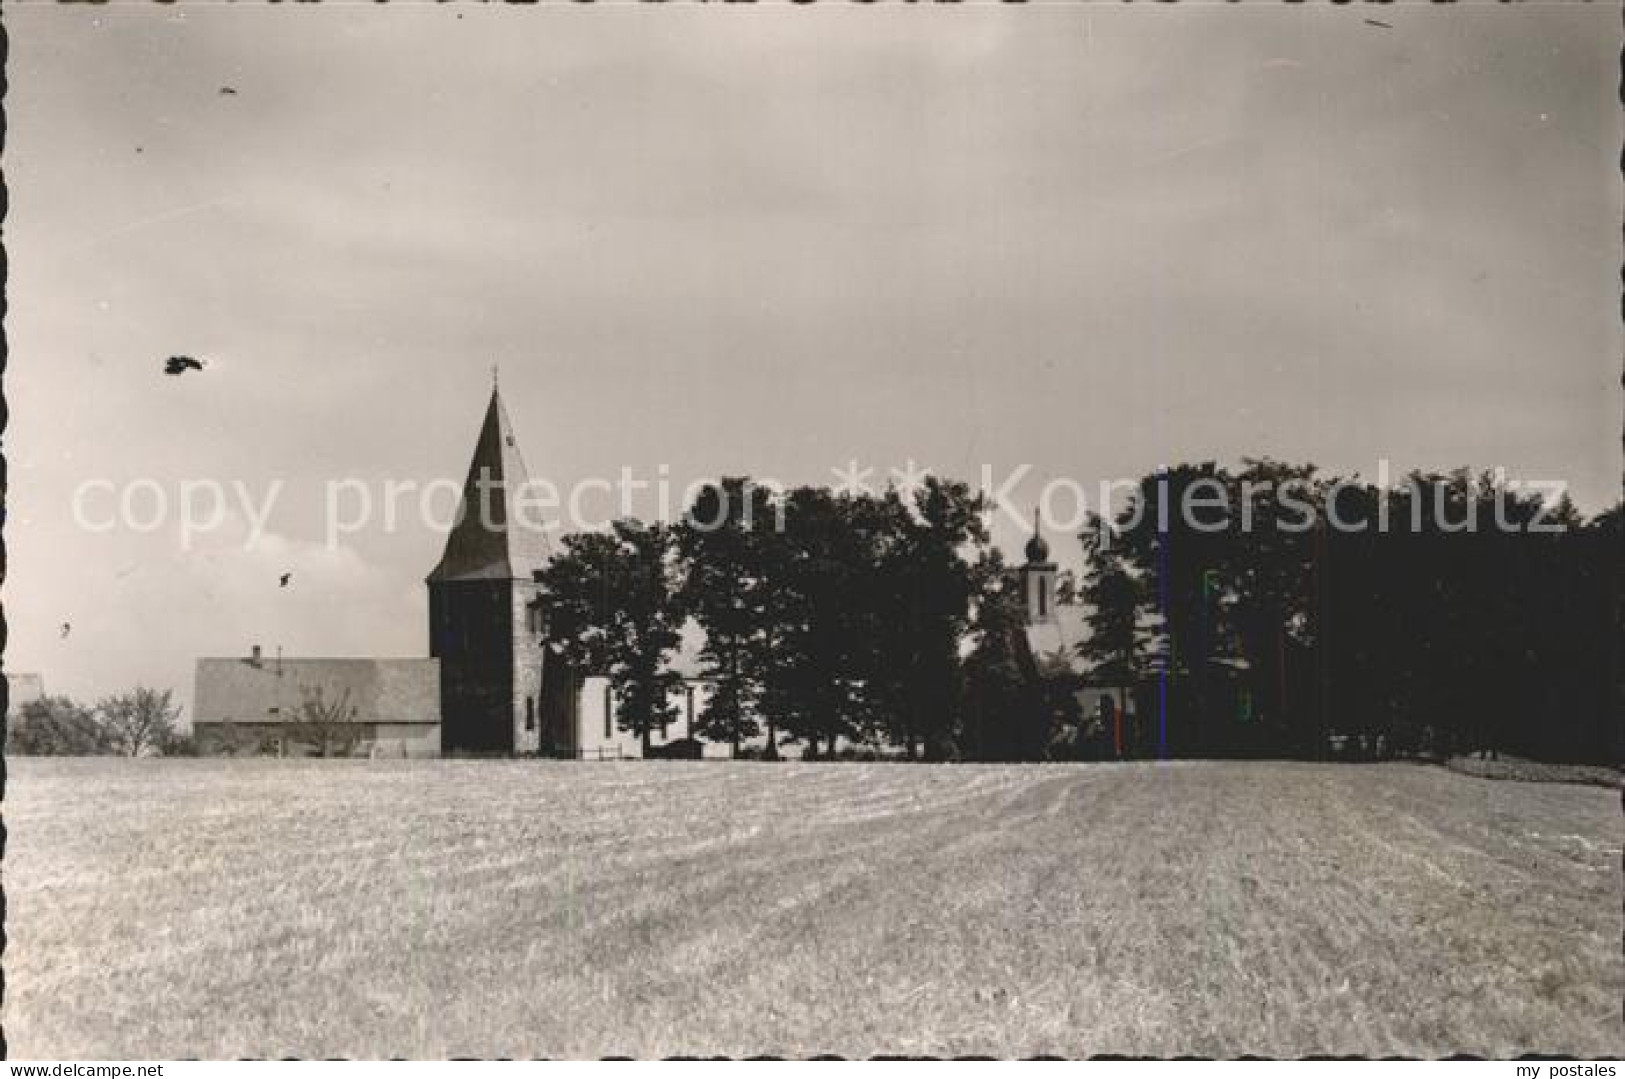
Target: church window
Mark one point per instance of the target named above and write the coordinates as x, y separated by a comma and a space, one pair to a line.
1043, 596
688, 692
530, 713
609, 712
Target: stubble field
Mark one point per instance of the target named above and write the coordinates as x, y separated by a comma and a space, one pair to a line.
175, 908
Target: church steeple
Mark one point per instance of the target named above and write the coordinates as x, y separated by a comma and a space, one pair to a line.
482, 599
1037, 548
1038, 577
485, 543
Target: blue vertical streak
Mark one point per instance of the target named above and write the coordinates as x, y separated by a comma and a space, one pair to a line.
1162, 677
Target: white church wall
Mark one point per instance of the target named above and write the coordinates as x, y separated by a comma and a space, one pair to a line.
600, 738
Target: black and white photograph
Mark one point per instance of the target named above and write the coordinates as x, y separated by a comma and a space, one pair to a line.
652, 530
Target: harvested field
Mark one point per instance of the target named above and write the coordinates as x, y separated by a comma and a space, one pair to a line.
177, 908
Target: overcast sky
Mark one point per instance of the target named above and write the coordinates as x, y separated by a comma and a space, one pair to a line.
769, 240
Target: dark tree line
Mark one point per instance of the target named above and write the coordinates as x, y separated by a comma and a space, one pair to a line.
1266, 610
1269, 610
827, 617
1447, 614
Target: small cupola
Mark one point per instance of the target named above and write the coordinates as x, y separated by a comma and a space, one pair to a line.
1038, 577
1037, 548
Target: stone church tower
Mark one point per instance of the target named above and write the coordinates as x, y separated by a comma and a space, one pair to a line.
484, 611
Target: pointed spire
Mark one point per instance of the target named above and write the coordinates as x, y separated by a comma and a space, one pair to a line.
483, 543
1037, 548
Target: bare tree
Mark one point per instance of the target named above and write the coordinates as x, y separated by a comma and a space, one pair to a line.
328, 727
141, 721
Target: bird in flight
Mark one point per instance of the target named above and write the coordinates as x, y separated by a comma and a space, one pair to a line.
231, 90
66, 629
1379, 22
179, 365
286, 577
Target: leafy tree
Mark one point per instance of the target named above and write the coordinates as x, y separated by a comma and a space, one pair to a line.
829, 617
138, 722
928, 561
1458, 626
1003, 710
1171, 539
57, 727
1265, 591
725, 542
1068, 591
1600, 635
614, 609
825, 612
1114, 650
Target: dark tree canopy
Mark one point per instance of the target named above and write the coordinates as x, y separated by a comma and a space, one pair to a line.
57, 727
613, 608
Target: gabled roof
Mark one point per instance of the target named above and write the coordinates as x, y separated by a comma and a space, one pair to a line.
266, 690
483, 544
